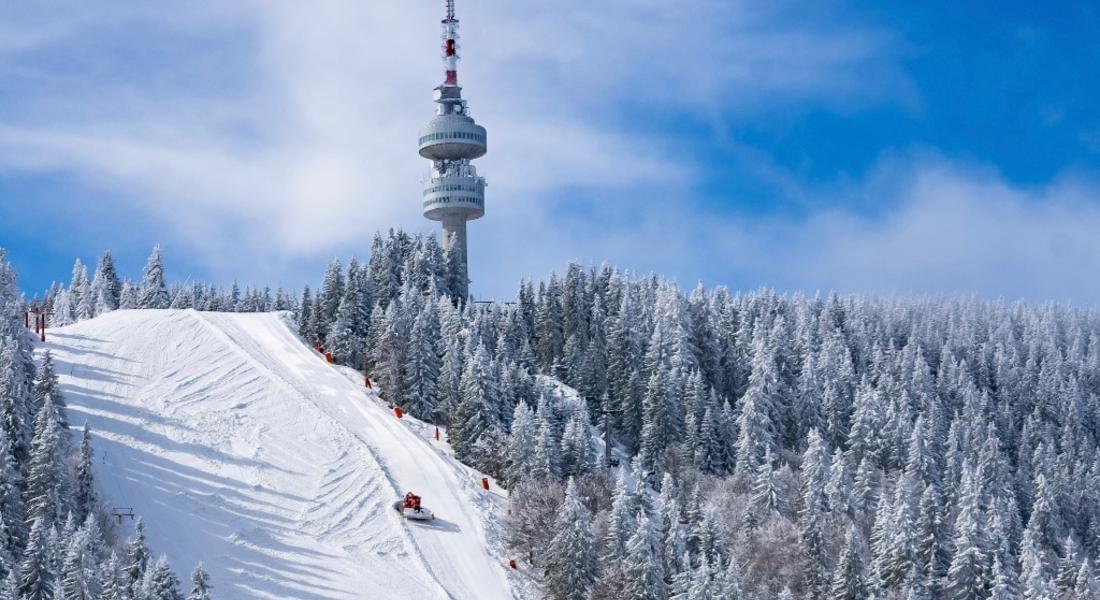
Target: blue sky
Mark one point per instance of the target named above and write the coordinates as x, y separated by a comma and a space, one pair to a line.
928, 147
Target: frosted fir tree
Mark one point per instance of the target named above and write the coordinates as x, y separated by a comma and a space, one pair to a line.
571, 561
154, 291
44, 470
82, 302
450, 377
932, 550
305, 315
968, 575
47, 386
577, 456
549, 333
37, 576
106, 287
757, 426
474, 415
137, 561
114, 584
521, 443
848, 581
643, 566
160, 583
1084, 585
456, 278
200, 585
181, 299
767, 498
812, 516
423, 364
329, 296
624, 347
64, 313
1066, 572
80, 577
672, 537
391, 354
657, 429
620, 520
343, 340
1005, 585
896, 555
84, 496
547, 459
130, 296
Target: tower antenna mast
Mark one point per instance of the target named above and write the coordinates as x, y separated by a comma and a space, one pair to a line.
453, 193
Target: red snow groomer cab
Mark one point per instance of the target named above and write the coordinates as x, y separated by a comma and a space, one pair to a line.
410, 508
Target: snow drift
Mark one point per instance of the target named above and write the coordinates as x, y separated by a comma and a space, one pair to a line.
246, 451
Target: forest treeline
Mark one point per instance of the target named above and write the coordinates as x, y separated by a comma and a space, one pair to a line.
771, 445
58, 539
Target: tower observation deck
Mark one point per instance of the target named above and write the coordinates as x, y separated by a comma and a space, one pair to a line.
454, 193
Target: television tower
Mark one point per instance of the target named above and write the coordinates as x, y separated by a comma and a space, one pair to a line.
454, 193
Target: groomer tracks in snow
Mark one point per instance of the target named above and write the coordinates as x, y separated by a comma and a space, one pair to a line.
246, 451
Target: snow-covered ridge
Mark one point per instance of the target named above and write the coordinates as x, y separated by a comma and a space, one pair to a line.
248, 452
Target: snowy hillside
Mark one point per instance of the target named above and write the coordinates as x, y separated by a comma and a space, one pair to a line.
246, 451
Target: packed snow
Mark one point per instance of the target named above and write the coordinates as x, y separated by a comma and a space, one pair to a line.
244, 450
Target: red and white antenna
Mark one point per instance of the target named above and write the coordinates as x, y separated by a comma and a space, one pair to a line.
450, 44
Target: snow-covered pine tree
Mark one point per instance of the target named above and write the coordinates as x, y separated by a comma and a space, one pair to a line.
46, 386
1084, 586
969, 573
521, 443
757, 427
577, 456
571, 562
812, 516
154, 291
450, 378
620, 520
160, 583
848, 578
17, 406
83, 304
79, 577
200, 585
343, 340
305, 317
137, 561
44, 471
657, 426
37, 575
645, 576
391, 354
328, 298
84, 496
475, 414
423, 365
106, 287
114, 582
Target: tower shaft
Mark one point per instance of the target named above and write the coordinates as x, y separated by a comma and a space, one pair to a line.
453, 193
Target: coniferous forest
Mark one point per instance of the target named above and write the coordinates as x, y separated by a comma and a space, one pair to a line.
58, 538
765, 445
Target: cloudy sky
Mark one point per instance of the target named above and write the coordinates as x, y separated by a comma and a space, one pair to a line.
939, 147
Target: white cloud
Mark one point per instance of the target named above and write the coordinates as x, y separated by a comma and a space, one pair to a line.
283, 131
942, 228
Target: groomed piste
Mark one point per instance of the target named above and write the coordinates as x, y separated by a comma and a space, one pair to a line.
248, 452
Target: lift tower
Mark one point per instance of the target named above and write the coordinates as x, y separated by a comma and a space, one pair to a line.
454, 193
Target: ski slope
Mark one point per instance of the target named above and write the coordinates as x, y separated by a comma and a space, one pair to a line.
244, 450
